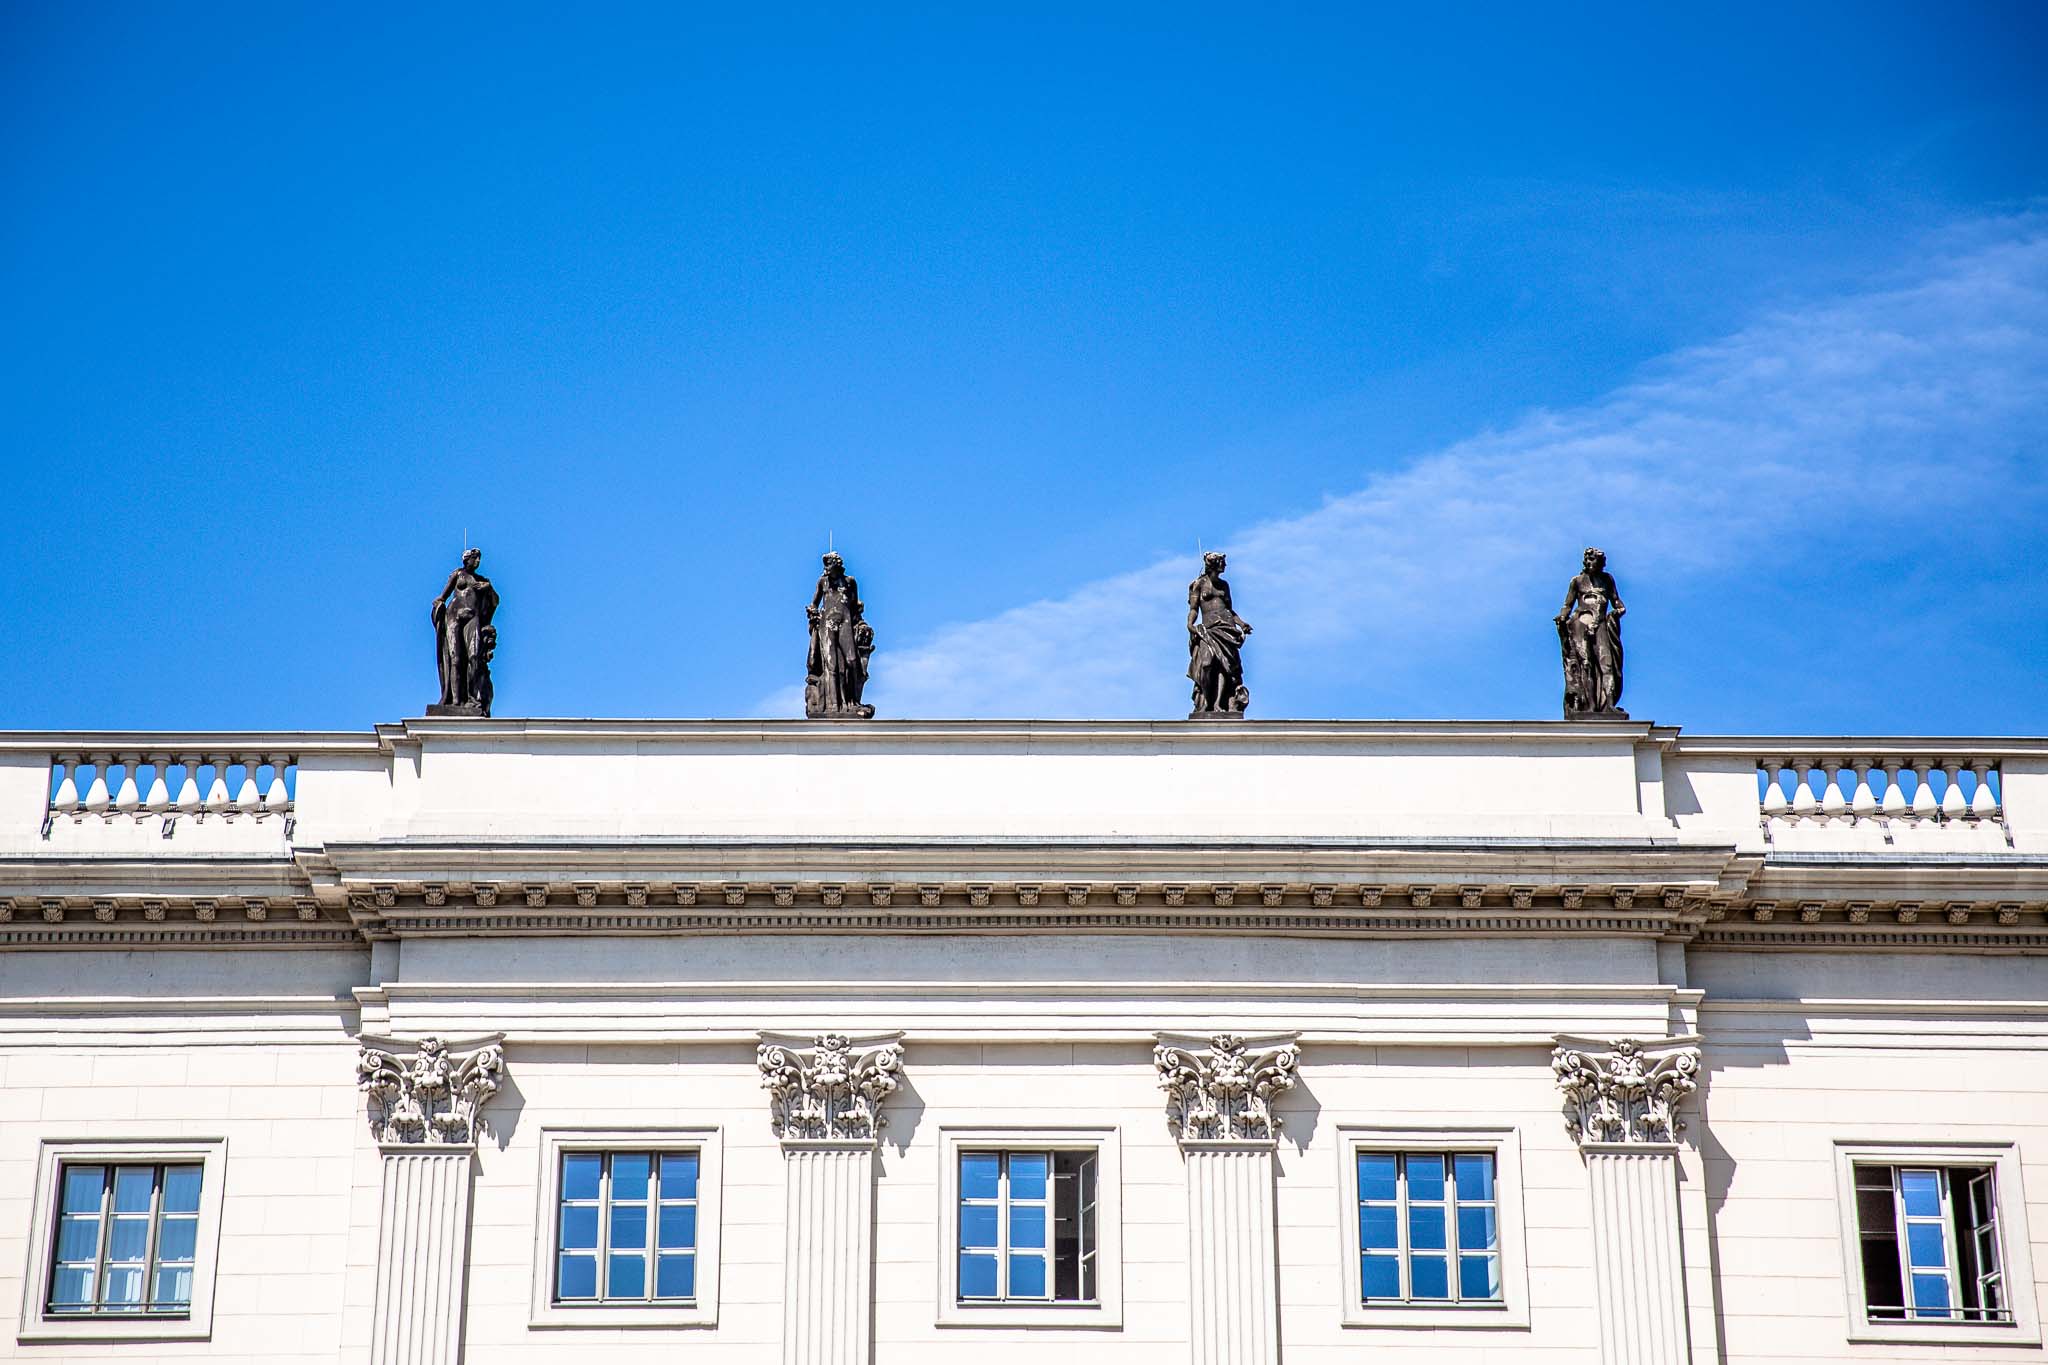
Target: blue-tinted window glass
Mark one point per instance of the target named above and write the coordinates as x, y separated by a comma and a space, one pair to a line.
977, 1275
1027, 1228
980, 1173
1425, 1178
1429, 1277
1426, 1227
978, 1225
181, 1189
1478, 1277
1378, 1227
629, 1227
1930, 1296
679, 1175
1925, 1246
1027, 1175
626, 1277
178, 1239
78, 1238
83, 1186
675, 1277
578, 1277
580, 1174
579, 1227
129, 1240
124, 1286
1378, 1175
1027, 1277
1922, 1193
1478, 1229
678, 1227
1381, 1276
132, 1188
71, 1286
174, 1286
1474, 1176
629, 1176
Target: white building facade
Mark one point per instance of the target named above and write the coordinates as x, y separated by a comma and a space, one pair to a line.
817, 1043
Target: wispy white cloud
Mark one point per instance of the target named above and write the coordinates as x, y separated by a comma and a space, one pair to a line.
1920, 392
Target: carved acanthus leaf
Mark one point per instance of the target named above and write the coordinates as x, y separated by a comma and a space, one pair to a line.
1225, 1090
1626, 1093
833, 1089
432, 1097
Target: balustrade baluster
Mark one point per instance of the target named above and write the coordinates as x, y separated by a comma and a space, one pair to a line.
96, 797
66, 799
1983, 801
187, 801
1894, 801
1832, 803
1804, 803
128, 796
1953, 807
1924, 806
217, 801
250, 798
1774, 791
1862, 802
277, 798
159, 799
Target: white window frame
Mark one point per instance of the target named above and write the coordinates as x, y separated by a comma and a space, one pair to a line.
1505, 1144
2015, 1249
38, 1324
707, 1143
1108, 1309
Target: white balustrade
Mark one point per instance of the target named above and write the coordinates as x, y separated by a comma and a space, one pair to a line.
138, 786
1907, 788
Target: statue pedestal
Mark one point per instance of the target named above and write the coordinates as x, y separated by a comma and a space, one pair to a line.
462, 708
1616, 714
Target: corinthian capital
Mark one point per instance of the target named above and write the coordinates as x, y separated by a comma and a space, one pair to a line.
1225, 1090
1626, 1091
434, 1096
831, 1089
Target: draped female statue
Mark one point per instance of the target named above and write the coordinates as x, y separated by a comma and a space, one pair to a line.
836, 673
1589, 634
1215, 646
464, 639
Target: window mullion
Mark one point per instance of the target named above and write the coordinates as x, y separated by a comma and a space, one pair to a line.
1003, 1228
1401, 1224
1951, 1254
1450, 1160
106, 1237
604, 1228
1904, 1245
149, 1238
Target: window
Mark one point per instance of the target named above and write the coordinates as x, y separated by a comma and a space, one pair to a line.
1428, 1228
123, 1241
628, 1229
1029, 1221
1433, 1228
1027, 1226
1933, 1242
621, 1214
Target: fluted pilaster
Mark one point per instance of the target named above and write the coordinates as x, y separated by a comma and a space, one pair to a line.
422, 1255
1621, 1106
1219, 1103
826, 1098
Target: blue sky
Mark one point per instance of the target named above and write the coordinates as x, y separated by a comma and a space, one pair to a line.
1401, 309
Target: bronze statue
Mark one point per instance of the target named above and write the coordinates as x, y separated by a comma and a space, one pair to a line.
841, 640
1216, 646
464, 640
1589, 633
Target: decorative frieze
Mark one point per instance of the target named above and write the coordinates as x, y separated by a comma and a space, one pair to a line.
434, 1097
832, 1089
1225, 1091
1625, 1094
